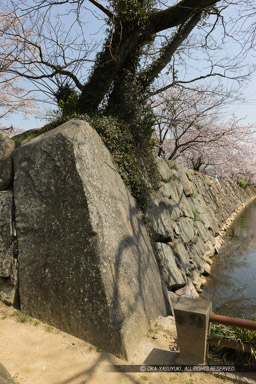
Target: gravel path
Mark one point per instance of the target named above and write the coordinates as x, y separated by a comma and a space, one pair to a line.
35, 353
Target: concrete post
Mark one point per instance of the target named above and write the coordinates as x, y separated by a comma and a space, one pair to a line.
192, 323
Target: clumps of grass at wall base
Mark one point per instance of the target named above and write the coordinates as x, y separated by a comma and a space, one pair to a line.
237, 334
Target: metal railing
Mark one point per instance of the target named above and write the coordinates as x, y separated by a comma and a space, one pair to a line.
234, 322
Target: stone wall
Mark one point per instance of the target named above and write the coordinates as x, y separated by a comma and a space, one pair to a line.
86, 261
187, 218
8, 242
8, 254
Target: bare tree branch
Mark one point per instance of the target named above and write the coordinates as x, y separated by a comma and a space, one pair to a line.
168, 51
182, 82
103, 9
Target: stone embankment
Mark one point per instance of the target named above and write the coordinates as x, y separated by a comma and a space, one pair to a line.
75, 251
187, 220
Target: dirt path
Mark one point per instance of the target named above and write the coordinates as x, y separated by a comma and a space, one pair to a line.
35, 353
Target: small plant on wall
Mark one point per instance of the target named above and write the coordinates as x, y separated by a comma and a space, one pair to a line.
242, 183
196, 214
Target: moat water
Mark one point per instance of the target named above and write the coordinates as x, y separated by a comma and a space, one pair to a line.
232, 284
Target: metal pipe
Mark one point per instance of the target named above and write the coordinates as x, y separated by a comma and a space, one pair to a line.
233, 321
244, 347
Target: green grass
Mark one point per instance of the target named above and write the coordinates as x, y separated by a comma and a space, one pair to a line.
242, 183
236, 334
22, 317
48, 328
188, 176
15, 377
196, 214
175, 178
153, 331
175, 166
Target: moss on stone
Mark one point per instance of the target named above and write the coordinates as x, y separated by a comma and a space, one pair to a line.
135, 161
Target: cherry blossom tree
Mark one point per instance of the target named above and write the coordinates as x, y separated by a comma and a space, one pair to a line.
143, 38
186, 117
188, 129
14, 97
232, 157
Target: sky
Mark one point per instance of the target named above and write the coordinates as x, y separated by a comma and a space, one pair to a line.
246, 108
241, 108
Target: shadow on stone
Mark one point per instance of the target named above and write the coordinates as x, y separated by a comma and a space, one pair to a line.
5, 377
161, 357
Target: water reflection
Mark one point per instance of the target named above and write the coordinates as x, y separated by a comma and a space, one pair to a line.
232, 284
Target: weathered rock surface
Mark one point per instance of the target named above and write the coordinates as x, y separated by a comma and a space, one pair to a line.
8, 265
187, 214
173, 275
6, 170
6, 248
86, 264
5, 377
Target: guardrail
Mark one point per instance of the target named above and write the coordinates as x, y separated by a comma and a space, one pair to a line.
233, 322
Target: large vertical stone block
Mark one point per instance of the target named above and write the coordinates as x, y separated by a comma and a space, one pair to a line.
8, 263
86, 264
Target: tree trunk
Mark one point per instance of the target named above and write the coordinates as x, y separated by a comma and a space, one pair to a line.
109, 64
114, 62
